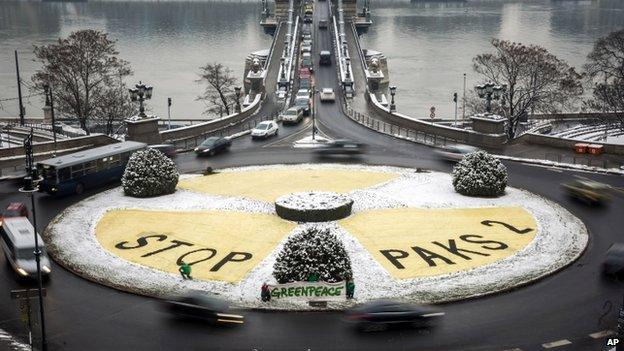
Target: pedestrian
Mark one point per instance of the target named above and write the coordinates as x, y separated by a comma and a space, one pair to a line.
185, 270
265, 294
350, 288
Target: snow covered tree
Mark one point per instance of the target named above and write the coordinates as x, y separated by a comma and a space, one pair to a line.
480, 174
149, 173
315, 251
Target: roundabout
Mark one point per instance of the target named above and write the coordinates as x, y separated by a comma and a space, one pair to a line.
409, 236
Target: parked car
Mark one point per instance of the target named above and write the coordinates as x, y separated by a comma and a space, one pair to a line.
306, 61
292, 115
455, 152
18, 244
265, 129
325, 58
168, 149
213, 145
380, 314
322, 24
199, 306
343, 146
304, 104
307, 18
588, 191
306, 48
328, 95
14, 209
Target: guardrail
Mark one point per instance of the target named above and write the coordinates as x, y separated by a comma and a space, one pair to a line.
187, 144
397, 130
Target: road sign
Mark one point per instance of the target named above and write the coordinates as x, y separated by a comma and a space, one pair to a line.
26, 293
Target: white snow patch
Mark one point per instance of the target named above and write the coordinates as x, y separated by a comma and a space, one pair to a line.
561, 238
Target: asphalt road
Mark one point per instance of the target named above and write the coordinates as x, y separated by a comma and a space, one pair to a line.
568, 305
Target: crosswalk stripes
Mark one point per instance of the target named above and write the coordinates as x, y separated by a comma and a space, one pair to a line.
582, 342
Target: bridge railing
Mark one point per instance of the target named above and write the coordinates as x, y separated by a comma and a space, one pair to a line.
398, 131
243, 127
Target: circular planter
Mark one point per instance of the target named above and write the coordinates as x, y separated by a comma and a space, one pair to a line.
313, 206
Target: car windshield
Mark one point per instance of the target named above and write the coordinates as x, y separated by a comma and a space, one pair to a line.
301, 102
210, 141
263, 126
290, 112
25, 252
327, 91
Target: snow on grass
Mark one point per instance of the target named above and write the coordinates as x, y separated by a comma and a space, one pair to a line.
313, 200
560, 240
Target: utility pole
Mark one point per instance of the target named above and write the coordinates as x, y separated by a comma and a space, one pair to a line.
455, 101
50, 102
464, 100
19, 91
169, 111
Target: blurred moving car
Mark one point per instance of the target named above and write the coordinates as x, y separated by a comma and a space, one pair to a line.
328, 95
343, 146
203, 307
213, 145
455, 152
264, 130
613, 263
14, 209
322, 24
18, 243
292, 115
589, 191
168, 149
380, 314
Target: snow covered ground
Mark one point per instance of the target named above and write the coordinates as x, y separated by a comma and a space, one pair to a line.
561, 238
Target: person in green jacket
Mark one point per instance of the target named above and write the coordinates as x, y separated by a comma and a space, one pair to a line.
350, 288
185, 270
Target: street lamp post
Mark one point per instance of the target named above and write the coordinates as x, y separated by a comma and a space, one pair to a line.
50, 102
237, 92
314, 92
140, 93
489, 91
31, 185
392, 92
169, 111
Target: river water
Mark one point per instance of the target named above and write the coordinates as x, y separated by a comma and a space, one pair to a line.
429, 45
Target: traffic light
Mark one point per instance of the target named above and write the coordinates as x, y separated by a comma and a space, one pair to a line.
454, 97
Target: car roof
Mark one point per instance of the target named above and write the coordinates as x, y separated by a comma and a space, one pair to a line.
328, 90
14, 206
90, 154
325, 52
20, 231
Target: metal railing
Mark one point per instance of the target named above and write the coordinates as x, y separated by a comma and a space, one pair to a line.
590, 161
187, 144
398, 131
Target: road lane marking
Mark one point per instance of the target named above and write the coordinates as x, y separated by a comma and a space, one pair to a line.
558, 343
601, 334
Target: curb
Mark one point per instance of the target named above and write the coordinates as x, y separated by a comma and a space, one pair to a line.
570, 166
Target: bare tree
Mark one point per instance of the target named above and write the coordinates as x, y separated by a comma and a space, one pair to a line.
219, 94
605, 71
82, 68
116, 106
536, 80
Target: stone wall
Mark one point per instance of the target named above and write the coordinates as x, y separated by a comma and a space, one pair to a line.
460, 135
563, 143
170, 136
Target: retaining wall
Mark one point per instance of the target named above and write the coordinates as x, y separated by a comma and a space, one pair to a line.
564, 143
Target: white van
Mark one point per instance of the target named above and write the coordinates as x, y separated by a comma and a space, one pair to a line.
292, 115
18, 243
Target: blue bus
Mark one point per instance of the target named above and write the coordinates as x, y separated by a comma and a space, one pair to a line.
75, 172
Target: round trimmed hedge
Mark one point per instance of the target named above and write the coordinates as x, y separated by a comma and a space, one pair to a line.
314, 252
149, 173
480, 174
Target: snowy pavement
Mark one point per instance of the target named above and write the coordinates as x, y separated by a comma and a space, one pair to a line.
560, 239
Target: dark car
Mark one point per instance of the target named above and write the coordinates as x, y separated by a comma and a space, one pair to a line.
614, 260
199, 306
341, 147
380, 314
213, 145
588, 191
168, 149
